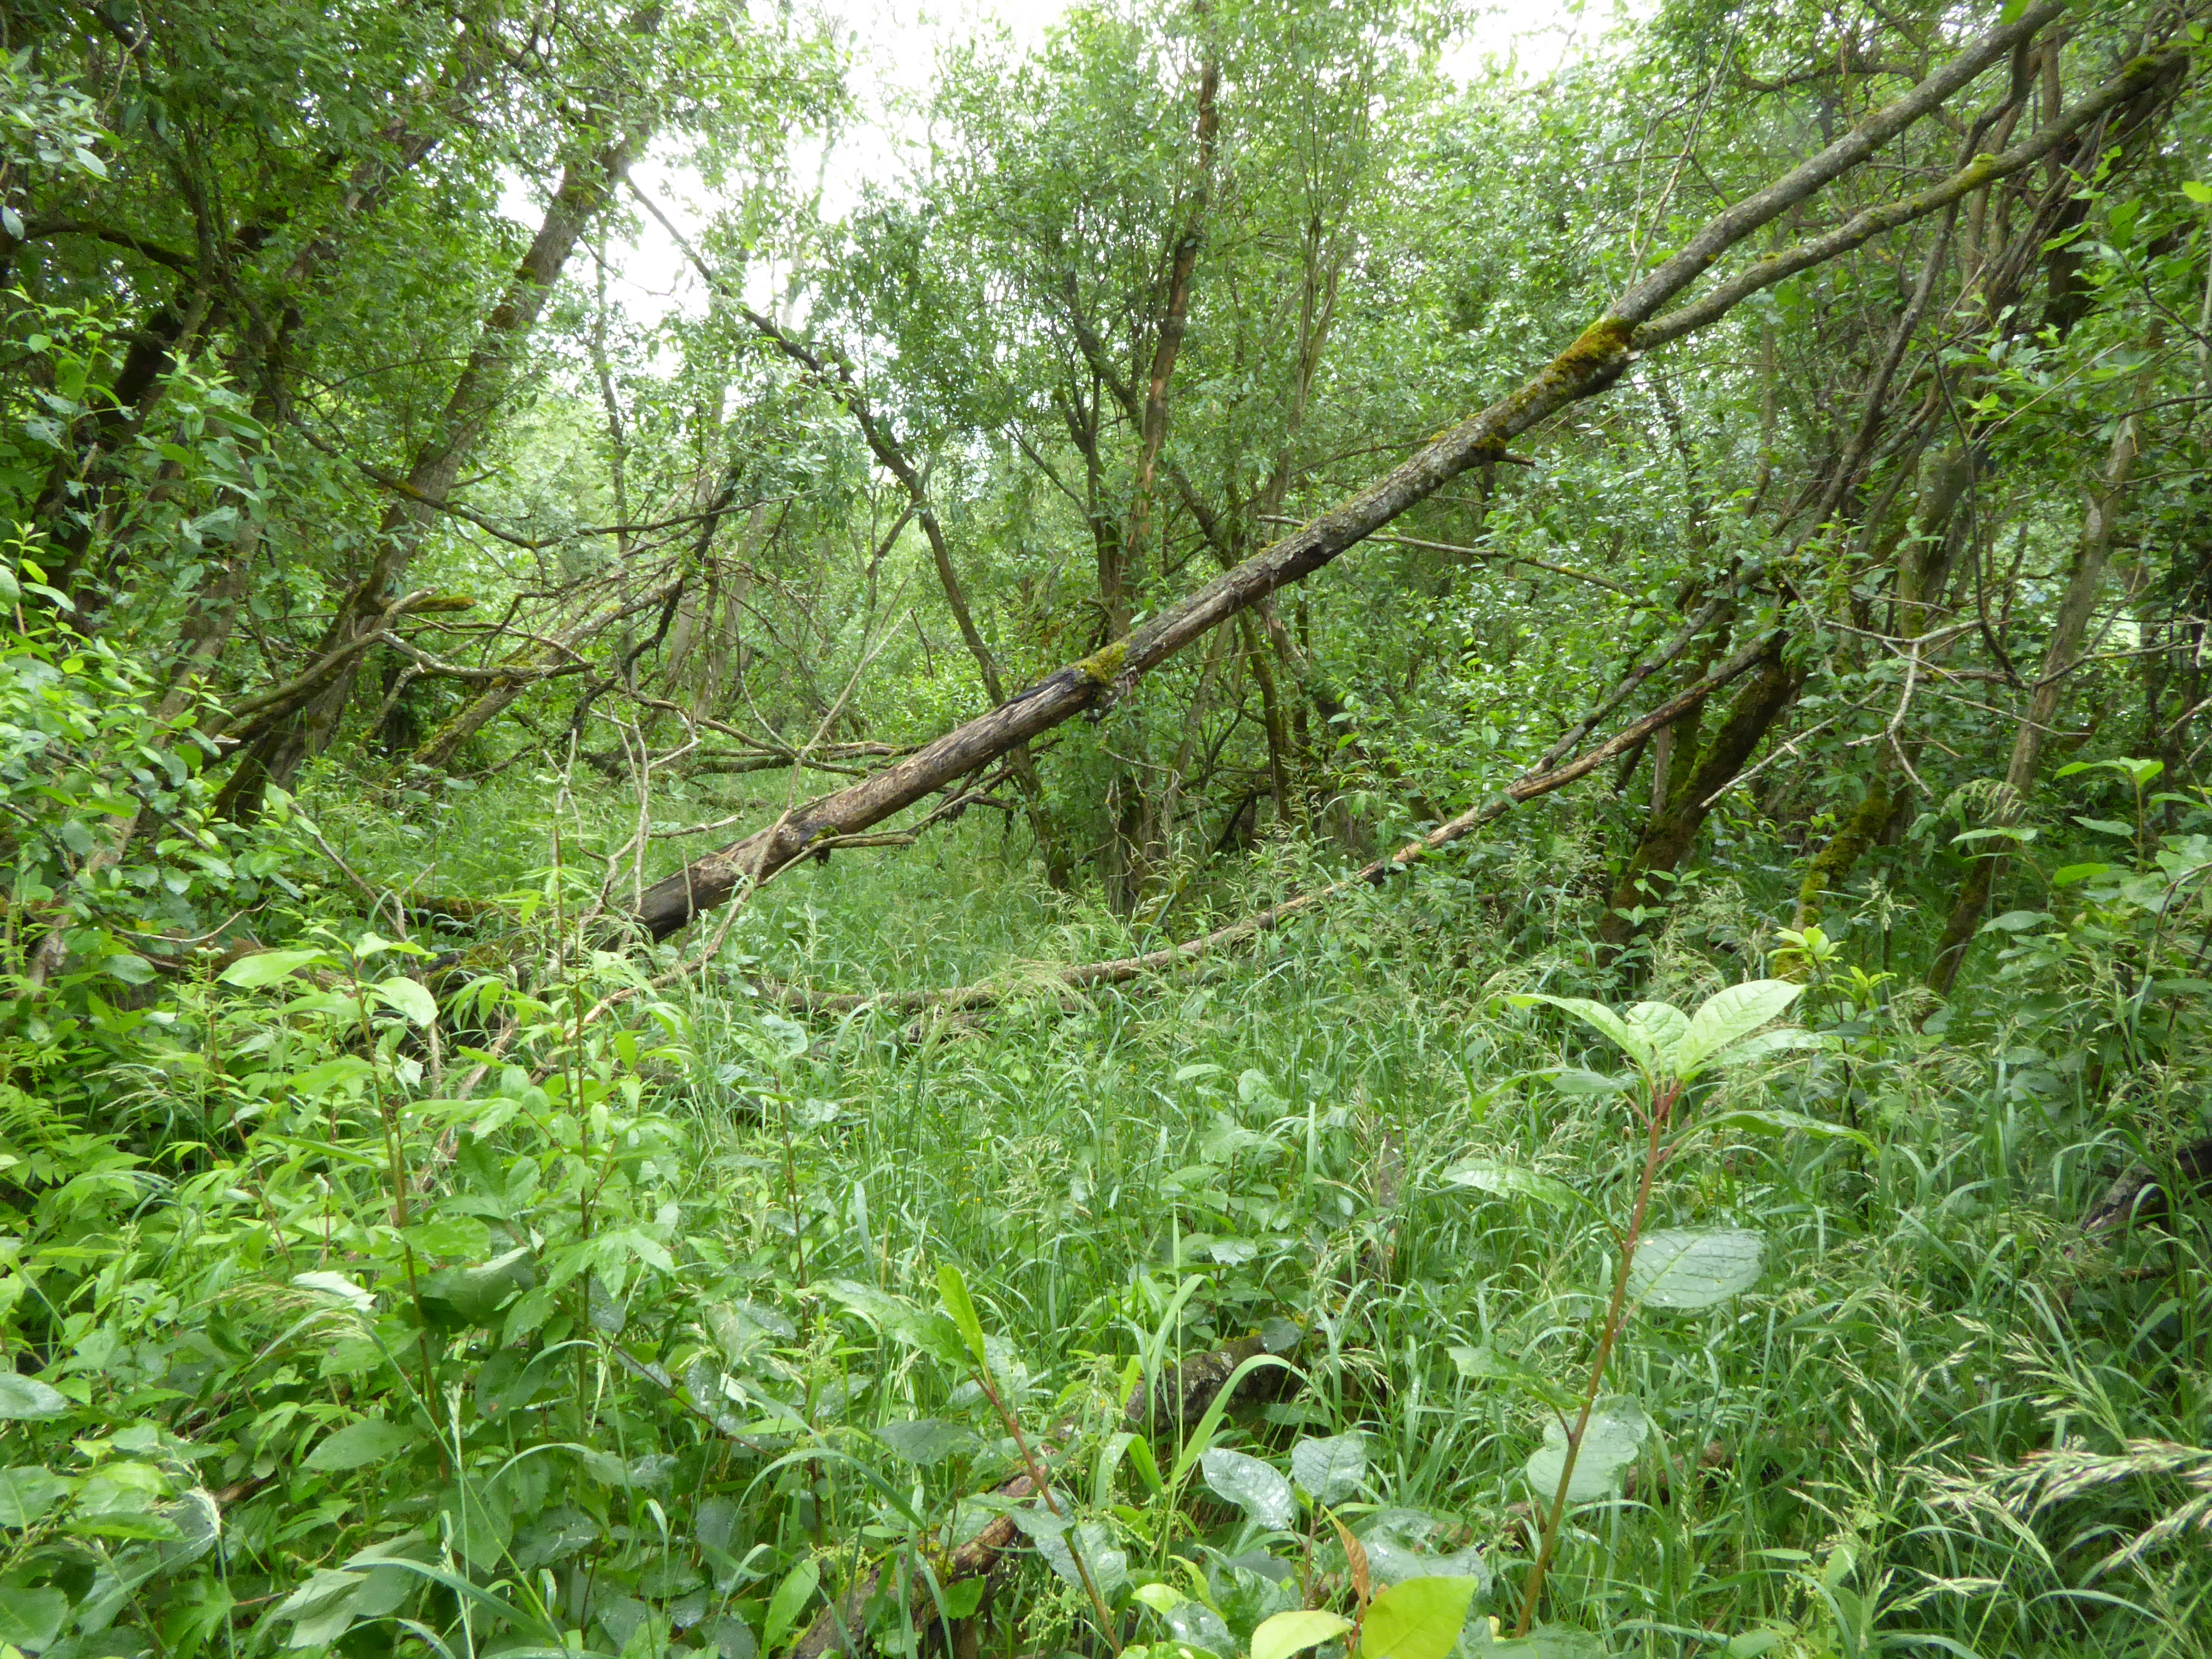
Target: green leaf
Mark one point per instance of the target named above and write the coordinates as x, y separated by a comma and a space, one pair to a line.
1995, 832
1399, 1544
410, 998
788, 1039
2016, 922
1727, 1016
1109, 1567
1420, 1618
2199, 193
31, 1619
958, 1303
607, 1313
1486, 1364
266, 968
481, 1526
1618, 1424
2137, 772
340, 1071
340, 1286
1664, 1023
1330, 1470
901, 1321
2069, 875
359, 1444
1691, 1267
1636, 1044
2107, 826
1758, 1046
1254, 1487
1783, 1123
1545, 1642
1753, 1643
924, 1440
963, 1596
322, 1608
1509, 1181
28, 1492
27, 1399
1287, 1633
1572, 1081
476, 1295
790, 1596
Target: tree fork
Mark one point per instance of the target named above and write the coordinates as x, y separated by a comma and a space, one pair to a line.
1591, 364
1546, 778
1668, 838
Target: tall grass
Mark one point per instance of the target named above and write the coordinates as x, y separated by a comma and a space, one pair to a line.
1838, 1444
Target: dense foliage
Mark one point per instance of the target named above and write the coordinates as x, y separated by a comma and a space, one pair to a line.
1308, 858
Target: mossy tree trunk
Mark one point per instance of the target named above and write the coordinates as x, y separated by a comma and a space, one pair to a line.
1670, 834
305, 727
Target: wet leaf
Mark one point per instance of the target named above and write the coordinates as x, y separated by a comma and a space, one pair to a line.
1617, 1424
1510, 1180
27, 1399
926, 1440
1686, 1267
1330, 1470
359, 1444
1257, 1488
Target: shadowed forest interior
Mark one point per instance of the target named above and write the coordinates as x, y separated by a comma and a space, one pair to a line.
1312, 837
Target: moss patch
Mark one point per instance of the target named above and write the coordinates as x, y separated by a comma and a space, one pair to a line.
1834, 861
1102, 665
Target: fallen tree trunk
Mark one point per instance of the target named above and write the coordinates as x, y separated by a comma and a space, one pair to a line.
1529, 786
1595, 360
2141, 1193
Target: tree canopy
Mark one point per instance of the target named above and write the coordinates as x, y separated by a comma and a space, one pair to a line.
1293, 786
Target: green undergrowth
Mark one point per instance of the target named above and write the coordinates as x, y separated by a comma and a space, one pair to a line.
341, 1331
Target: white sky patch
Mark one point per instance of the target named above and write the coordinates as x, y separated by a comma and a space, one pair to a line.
894, 46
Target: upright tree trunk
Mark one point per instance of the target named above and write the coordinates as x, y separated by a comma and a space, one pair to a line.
1137, 811
1167, 345
2083, 576
306, 726
1924, 554
1669, 835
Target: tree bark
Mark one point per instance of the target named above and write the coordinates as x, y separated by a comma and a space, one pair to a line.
1591, 364
1545, 779
1669, 835
2087, 571
306, 726
1167, 345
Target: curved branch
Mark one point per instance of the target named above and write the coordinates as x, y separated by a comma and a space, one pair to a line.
1862, 227
1529, 786
40, 229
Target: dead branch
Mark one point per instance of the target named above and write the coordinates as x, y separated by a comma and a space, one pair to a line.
1530, 787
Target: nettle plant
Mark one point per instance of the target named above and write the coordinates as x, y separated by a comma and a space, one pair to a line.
1593, 1435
